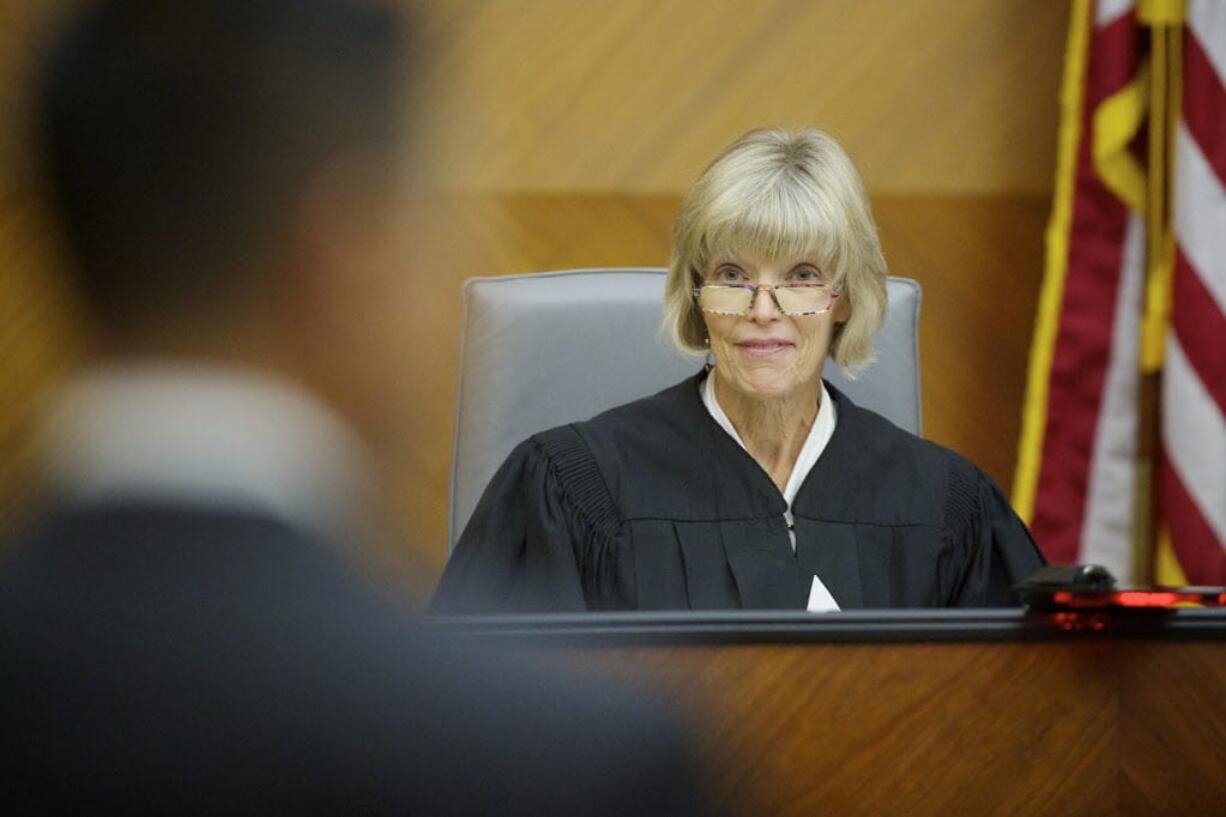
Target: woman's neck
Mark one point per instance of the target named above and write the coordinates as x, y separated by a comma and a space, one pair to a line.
774, 431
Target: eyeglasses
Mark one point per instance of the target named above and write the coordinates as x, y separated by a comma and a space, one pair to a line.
791, 299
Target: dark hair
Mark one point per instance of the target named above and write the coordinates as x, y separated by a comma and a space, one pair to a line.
177, 134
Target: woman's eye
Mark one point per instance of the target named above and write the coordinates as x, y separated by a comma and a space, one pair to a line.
805, 275
729, 274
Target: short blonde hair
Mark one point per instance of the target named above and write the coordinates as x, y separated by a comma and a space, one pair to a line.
778, 193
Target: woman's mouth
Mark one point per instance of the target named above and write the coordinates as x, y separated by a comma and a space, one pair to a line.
765, 347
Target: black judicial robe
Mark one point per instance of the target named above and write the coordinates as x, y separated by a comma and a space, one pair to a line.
653, 506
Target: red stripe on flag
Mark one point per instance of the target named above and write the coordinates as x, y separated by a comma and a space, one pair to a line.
1087, 315
1201, 328
1204, 104
1115, 53
1199, 552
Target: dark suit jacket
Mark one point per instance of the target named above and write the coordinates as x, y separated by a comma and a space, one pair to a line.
157, 659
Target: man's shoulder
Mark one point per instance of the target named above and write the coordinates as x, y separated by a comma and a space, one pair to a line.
271, 653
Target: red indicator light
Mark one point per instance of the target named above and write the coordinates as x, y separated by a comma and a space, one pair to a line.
1145, 598
1156, 598
1153, 599
1071, 622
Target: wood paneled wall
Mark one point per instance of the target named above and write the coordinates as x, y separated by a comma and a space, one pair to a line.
940, 96
566, 133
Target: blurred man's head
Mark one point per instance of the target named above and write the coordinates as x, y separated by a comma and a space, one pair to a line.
229, 176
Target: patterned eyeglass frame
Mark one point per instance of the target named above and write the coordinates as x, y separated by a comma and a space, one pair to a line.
770, 288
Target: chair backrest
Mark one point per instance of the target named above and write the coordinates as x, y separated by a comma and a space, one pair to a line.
550, 348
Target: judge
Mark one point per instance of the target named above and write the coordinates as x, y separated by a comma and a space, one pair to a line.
752, 484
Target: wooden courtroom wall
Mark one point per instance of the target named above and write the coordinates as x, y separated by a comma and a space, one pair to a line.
566, 133
939, 96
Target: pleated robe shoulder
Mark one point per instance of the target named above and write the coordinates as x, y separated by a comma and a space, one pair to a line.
653, 506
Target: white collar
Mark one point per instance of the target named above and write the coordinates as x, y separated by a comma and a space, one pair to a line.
820, 598
815, 443
206, 435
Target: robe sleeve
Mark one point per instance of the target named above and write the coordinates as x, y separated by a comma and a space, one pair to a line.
989, 548
543, 538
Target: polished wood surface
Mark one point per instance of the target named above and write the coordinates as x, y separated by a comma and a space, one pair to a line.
943, 96
1083, 727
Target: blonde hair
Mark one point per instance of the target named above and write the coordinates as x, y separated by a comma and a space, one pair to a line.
778, 193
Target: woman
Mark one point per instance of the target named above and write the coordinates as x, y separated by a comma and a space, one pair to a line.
753, 483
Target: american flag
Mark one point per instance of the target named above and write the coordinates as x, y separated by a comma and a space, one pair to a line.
1193, 463
1134, 295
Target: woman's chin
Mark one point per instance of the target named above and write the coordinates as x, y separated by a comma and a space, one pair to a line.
769, 388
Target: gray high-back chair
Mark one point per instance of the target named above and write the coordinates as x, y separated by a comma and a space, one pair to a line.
559, 347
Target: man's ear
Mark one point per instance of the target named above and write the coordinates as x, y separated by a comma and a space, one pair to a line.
330, 271
352, 321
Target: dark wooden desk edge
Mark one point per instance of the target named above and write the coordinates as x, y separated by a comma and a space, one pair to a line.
862, 626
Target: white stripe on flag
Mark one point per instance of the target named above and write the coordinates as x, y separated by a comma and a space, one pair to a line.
1107, 11
1194, 436
1200, 215
1106, 534
1207, 19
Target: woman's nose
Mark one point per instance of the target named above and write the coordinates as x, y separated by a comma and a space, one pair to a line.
763, 308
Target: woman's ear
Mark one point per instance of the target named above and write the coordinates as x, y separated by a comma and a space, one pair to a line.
842, 307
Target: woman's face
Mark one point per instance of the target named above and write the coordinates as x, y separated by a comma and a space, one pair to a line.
765, 354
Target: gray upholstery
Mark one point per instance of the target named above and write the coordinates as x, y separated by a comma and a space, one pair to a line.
558, 347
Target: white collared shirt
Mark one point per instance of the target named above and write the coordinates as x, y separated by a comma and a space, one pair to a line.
210, 436
815, 443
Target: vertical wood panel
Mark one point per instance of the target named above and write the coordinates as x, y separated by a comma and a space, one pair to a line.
942, 96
